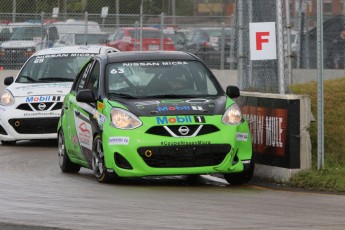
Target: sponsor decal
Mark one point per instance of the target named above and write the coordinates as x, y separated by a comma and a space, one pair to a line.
163, 63
179, 108
173, 120
84, 131
242, 136
2, 108
84, 134
100, 105
179, 119
199, 119
118, 140
99, 117
55, 114
172, 143
38, 99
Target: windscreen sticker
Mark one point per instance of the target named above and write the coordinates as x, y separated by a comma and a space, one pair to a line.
163, 63
118, 140
117, 70
41, 58
242, 136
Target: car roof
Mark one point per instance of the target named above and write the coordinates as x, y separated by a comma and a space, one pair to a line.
77, 49
150, 55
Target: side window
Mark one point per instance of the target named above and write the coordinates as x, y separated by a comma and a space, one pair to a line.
93, 81
80, 82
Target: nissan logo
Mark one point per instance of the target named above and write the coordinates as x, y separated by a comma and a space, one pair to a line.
41, 106
184, 130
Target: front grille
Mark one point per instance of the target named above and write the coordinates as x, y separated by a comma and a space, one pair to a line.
161, 131
184, 156
35, 125
36, 106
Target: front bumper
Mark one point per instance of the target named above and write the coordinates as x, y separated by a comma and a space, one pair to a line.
150, 155
22, 121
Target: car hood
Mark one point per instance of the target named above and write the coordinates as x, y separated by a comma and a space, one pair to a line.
171, 107
22, 90
18, 44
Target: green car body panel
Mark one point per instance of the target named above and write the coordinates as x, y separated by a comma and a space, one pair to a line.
138, 138
198, 131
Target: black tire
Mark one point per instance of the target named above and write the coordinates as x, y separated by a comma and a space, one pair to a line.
241, 178
98, 165
65, 163
8, 143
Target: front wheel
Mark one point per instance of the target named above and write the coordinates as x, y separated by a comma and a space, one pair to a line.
65, 163
242, 177
98, 165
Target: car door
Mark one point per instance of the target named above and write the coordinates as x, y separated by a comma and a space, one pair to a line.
82, 115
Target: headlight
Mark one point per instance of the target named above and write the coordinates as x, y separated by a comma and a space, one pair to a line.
123, 119
232, 115
7, 98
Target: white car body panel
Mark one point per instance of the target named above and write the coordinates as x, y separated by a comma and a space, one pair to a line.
37, 100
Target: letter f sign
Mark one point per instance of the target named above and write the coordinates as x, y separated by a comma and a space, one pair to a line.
261, 37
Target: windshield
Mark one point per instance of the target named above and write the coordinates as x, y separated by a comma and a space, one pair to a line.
27, 33
52, 68
160, 79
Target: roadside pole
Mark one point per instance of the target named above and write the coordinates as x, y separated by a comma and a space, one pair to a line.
320, 96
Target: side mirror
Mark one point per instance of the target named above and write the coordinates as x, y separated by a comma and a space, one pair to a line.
86, 96
8, 80
232, 91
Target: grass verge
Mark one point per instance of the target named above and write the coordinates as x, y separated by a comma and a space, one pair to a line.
332, 177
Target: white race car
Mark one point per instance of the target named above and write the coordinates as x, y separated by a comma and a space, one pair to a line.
31, 104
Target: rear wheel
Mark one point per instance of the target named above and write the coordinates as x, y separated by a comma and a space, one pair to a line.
65, 163
242, 177
98, 165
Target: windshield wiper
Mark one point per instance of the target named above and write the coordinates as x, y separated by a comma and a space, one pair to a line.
122, 95
55, 79
27, 78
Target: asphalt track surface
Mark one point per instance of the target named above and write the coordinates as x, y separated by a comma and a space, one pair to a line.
35, 194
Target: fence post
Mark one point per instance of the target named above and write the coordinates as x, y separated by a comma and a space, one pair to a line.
279, 7
222, 47
161, 47
42, 29
240, 45
288, 41
86, 28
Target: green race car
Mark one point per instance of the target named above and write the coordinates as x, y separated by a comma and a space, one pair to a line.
136, 114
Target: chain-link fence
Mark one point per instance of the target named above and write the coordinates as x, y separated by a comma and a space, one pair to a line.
217, 31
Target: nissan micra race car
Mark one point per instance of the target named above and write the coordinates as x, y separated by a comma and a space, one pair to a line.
30, 106
136, 114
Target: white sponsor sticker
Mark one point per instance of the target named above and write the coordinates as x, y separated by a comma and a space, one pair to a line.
242, 136
118, 140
